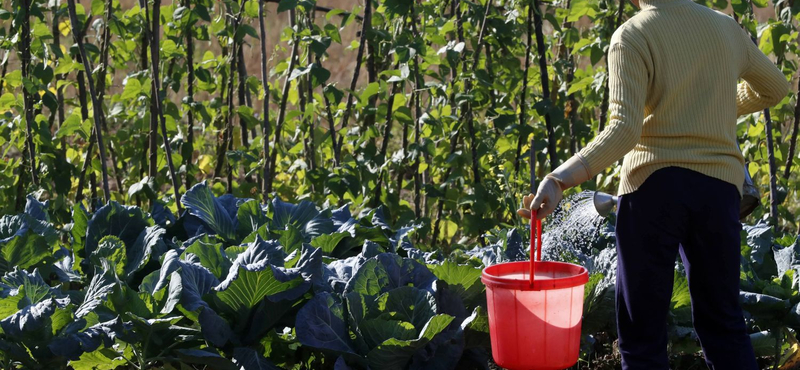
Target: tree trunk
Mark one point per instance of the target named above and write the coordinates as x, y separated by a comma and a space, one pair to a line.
101, 88
467, 113
365, 26
265, 127
453, 145
387, 130
93, 189
372, 71
243, 94
25, 59
416, 96
454, 10
98, 112
551, 135
305, 98
145, 167
19, 205
773, 186
312, 153
282, 112
227, 141
11, 32
401, 173
222, 144
92, 138
188, 155
156, 89
60, 91
793, 140
331, 126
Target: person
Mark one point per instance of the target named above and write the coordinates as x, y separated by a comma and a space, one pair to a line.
674, 98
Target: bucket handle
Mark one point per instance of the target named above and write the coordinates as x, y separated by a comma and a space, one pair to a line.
536, 243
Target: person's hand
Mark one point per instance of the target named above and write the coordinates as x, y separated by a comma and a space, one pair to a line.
571, 173
544, 202
525, 211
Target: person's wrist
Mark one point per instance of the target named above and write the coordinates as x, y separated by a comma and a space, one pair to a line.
557, 180
571, 173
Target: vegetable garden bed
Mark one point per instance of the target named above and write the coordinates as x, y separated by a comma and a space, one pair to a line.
234, 283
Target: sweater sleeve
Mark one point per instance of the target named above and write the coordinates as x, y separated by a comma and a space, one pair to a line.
764, 84
627, 88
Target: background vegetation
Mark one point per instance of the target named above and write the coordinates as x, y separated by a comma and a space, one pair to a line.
423, 112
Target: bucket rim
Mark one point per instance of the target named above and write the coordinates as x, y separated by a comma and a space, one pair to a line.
491, 278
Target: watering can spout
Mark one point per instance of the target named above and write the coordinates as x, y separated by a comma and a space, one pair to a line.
604, 203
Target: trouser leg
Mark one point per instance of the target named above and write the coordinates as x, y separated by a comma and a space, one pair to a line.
711, 256
649, 230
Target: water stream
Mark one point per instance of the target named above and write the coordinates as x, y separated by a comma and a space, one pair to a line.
572, 233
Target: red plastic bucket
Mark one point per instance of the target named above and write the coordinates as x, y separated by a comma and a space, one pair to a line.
535, 323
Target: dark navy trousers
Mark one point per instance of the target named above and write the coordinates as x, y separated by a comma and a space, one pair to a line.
678, 210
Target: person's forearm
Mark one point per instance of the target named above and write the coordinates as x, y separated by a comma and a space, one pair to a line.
771, 91
764, 85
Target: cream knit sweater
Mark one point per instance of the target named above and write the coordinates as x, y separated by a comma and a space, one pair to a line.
673, 94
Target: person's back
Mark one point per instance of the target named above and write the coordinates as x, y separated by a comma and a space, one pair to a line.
689, 58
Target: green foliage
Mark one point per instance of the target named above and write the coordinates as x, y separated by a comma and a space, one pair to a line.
429, 149
155, 299
149, 300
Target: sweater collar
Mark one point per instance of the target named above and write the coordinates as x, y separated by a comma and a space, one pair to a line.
655, 4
